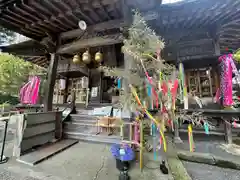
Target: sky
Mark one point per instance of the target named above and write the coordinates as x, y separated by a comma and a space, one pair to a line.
170, 1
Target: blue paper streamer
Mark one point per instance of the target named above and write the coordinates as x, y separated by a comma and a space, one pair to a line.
149, 90
119, 83
154, 141
206, 128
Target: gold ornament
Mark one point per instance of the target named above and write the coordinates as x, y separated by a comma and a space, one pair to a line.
86, 57
76, 59
98, 57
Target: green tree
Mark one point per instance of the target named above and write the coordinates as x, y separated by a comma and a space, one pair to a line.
14, 72
6, 36
142, 50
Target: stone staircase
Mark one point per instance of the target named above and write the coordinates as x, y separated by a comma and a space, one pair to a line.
82, 126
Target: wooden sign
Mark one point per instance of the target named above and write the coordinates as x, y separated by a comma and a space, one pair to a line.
196, 49
94, 92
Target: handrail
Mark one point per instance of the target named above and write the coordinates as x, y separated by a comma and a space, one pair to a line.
87, 98
69, 105
5, 119
213, 112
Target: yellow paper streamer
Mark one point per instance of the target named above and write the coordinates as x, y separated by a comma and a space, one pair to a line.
190, 137
150, 117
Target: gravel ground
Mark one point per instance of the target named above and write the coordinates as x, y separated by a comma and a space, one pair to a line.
207, 172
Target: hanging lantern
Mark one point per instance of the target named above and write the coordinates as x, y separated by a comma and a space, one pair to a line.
86, 57
98, 57
76, 59
62, 84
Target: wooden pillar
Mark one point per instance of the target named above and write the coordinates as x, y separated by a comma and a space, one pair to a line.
177, 138
95, 78
66, 90
127, 16
51, 78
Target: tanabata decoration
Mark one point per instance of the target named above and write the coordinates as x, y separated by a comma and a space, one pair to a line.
236, 55
154, 130
206, 127
227, 69
190, 138
29, 93
234, 123
134, 92
173, 87
119, 83
183, 88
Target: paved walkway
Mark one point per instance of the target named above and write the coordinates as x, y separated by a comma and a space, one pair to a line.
83, 161
217, 148
208, 172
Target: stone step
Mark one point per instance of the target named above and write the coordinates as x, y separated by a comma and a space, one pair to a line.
91, 136
79, 126
81, 123
83, 111
81, 117
99, 104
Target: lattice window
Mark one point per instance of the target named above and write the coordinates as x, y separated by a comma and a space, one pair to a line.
79, 86
58, 94
202, 82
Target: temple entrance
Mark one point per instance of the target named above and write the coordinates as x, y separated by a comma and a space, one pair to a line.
108, 90
66, 91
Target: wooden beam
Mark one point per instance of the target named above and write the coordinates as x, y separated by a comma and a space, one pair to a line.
52, 18
112, 24
104, 9
23, 31
82, 13
92, 42
51, 78
60, 12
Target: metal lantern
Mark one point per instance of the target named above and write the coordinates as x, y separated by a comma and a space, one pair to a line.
98, 57
76, 59
86, 57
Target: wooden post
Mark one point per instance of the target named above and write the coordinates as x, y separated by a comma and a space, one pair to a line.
177, 138
59, 128
141, 146
228, 132
127, 18
51, 78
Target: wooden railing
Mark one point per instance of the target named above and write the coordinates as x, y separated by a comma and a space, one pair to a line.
2, 158
36, 129
225, 115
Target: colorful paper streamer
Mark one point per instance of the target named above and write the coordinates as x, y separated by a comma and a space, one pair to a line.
149, 116
119, 83
206, 128
190, 138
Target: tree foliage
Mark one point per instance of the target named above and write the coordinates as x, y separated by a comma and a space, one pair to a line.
142, 50
6, 36
14, 72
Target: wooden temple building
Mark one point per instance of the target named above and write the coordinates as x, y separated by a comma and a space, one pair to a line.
196, 32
